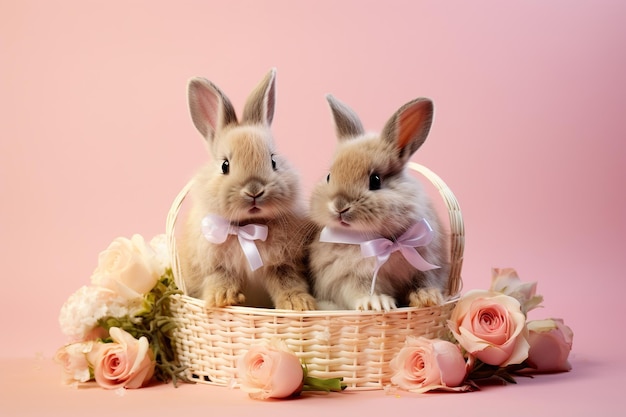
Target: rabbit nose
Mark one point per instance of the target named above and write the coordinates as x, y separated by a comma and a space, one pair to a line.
254, 194
341, 206
254, 190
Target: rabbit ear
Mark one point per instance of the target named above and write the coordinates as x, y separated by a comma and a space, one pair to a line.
210, 108
259, 108
347, 123
409, 126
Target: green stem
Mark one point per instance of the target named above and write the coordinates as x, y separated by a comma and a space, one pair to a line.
326, 385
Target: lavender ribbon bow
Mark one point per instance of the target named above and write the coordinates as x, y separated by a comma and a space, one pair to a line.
420, 234
216, 229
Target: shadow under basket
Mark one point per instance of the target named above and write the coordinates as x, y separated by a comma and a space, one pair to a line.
354, 345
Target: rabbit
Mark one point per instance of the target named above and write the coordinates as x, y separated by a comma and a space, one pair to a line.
369, 196
243, 241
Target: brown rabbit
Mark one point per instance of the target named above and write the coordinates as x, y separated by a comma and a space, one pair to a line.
370, 204
243, 241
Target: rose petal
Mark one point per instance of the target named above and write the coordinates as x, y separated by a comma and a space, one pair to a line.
451, 363
550, 344
424, 364
269, 372
490, 326
127, 362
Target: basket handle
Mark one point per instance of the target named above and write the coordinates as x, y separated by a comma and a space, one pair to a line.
457, 230
170, 229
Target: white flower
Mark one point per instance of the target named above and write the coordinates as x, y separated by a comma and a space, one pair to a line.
73, 359
80, 314
129, 267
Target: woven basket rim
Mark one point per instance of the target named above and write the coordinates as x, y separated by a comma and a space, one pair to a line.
456, 235
281, 313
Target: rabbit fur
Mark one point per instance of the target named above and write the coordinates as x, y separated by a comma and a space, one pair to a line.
247, 182
370, 192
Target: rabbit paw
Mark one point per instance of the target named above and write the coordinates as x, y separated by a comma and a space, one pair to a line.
376, 302
296, 301
425, 297
222, 297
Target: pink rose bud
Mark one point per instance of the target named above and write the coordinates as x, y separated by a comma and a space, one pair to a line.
73, 359
550, 344
269, 372
125, 363
424, 364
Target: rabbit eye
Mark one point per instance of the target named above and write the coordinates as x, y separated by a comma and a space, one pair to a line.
374, 182
328, 178
225, 167
273, 163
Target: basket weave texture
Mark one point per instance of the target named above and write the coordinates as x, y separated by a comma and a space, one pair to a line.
354, 345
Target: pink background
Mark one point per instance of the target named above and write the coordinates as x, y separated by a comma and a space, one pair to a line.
96, 139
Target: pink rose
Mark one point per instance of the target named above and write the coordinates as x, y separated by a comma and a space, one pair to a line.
550, 344
427, 364
506, 281
491, 326
125, 363
269, 372
73, 359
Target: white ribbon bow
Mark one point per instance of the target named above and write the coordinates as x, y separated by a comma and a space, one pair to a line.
420, 234
216, 229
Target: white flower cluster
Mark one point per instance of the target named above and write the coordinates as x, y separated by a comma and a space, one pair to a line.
82, 310
127, 269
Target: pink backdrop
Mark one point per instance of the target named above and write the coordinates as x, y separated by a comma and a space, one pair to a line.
96, 139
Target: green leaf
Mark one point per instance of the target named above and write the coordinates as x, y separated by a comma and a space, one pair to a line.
310, 383
154, 321
483, 371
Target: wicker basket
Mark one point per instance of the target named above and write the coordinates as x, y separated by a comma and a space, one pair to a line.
354, 345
